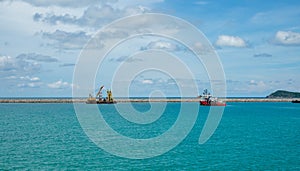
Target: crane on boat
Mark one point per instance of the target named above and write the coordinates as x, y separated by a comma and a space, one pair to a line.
99, 98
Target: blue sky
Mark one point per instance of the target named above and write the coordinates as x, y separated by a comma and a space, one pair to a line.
258, 43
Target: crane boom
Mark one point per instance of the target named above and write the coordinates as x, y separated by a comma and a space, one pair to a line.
99, 92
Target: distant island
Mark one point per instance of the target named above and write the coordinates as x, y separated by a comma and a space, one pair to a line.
284, 94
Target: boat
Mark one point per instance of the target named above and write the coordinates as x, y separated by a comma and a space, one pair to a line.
206, 99
99, 99
295, 101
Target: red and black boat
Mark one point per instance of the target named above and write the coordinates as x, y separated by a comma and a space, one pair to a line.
206, 99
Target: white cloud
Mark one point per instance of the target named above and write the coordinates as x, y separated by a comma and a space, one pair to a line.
30, 85
201, 48
34, 79
163, 45
6, 62
59, 85
22, 81
125, 59
257, 86
287, 38
231, 41
26, 81
11, 77
198, 45
28, 78
147, 81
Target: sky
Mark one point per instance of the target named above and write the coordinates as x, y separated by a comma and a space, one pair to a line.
258, 44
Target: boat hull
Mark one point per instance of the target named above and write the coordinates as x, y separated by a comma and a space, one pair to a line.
212, 103
296, 101
100, 102
103, 102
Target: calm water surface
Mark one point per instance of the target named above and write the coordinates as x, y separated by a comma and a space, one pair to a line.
251, 136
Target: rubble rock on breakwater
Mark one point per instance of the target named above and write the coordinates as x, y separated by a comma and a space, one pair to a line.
82, 100
259, 100
42, 100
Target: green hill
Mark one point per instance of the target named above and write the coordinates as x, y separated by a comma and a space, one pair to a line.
284, 94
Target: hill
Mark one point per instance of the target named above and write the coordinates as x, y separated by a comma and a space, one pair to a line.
284, 94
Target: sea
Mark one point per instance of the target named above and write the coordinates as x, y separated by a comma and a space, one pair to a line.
250, 136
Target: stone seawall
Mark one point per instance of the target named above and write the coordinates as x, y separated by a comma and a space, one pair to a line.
43, 100
260, 100
61, 100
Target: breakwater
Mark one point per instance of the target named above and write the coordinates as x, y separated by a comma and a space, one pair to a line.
82, 100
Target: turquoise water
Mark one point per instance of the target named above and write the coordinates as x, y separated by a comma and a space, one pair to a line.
251, 136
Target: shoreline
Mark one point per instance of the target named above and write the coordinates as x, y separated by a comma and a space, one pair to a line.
81, 100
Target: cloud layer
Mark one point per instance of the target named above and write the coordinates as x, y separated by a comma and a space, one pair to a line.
262, 55
64, 3
36, 57
66, 40
94, 16
10, 65
41, 39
